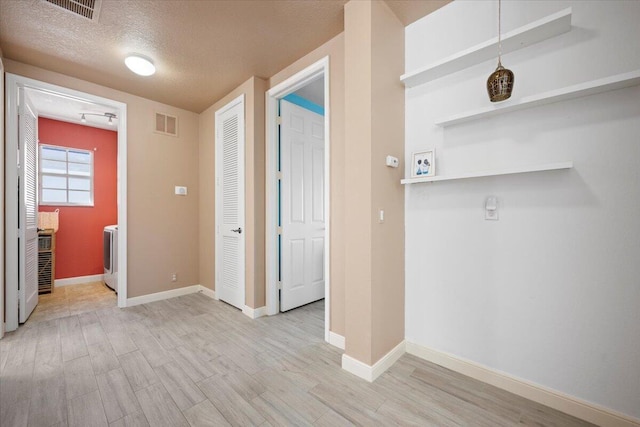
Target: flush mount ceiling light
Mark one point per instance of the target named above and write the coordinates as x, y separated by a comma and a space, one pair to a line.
500, 82
140, 65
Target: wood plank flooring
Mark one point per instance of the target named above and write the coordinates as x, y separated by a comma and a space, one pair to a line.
193, 361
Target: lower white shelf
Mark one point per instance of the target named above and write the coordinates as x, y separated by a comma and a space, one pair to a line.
618, 81
510, 171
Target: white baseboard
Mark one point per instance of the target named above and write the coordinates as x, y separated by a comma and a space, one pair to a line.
158, 296
336, 340
370, 373
208, 292
584, 410
254, 313
78, 280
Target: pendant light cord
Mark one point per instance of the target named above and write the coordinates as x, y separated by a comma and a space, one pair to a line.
499, 32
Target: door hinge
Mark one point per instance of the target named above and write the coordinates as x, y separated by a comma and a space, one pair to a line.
279, 230
279, 285
279, 175
279, 120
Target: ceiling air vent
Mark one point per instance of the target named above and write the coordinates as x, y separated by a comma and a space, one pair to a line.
166, 124
89, 9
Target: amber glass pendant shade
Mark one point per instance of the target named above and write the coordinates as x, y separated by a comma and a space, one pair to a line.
500, 84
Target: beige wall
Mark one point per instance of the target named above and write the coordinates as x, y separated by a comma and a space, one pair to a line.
358, 326
253, 90
163, 228
334, 49
374, 116
387, 119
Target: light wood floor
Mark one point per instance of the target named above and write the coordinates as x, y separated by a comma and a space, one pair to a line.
195, 361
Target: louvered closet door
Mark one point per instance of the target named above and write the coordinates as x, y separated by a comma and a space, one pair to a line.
230, 259
28, 208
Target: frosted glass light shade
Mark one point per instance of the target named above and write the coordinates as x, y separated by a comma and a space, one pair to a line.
140, 65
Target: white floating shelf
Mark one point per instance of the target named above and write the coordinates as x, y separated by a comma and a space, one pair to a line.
593, 87
542, 29
510, 171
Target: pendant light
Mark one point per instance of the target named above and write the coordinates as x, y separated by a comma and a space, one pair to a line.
500, 82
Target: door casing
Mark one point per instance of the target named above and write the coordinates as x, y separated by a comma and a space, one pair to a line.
293, 83
12, 83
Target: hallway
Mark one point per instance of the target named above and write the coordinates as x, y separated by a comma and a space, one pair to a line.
195, 361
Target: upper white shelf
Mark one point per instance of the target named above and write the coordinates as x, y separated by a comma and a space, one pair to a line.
593, 87
542, 29
510, 171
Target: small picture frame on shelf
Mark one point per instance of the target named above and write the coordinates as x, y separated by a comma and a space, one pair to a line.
423, 163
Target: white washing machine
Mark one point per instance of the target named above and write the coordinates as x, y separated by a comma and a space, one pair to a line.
110, 256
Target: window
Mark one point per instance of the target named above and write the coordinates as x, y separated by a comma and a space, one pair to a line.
66, 176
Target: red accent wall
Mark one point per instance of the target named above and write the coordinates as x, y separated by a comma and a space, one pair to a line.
79, 236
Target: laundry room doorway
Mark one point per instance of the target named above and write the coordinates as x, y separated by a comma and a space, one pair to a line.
57, 104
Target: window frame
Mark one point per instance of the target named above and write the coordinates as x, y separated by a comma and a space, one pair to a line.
66, 176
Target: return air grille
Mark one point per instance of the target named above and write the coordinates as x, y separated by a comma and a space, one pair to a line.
89, 9
166, 124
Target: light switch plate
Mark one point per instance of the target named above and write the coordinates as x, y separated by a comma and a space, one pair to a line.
181, 191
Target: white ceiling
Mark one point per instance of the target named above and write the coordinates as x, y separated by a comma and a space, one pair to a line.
67, 109
202, 49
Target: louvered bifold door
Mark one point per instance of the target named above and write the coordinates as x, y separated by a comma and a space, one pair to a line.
28, 208
230, 232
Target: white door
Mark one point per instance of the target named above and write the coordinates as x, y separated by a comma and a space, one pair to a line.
27, 207
230, 259
302, 206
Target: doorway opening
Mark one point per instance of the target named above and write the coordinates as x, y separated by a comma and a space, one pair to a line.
297, 191
56, 106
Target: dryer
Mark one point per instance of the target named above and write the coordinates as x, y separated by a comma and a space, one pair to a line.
110, 256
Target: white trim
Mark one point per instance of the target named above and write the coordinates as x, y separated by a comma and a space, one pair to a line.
159, 296
281, 90
11, 203
574, 406
2, 213
336, 340
254, 313
357, 368
13, 82
208, 292
370, 373
78, 280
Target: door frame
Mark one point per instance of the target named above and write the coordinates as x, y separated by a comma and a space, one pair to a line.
13, 82
273, 95
218, 198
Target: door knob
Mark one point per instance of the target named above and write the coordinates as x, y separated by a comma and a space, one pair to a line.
238, 230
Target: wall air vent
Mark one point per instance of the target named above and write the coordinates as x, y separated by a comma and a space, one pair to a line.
166, 124
89, 9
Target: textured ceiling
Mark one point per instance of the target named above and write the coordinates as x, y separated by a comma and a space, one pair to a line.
202, 48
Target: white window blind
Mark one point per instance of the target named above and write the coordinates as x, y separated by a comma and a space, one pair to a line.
66, 176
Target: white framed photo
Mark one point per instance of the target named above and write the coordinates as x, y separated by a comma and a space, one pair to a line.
423, 163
